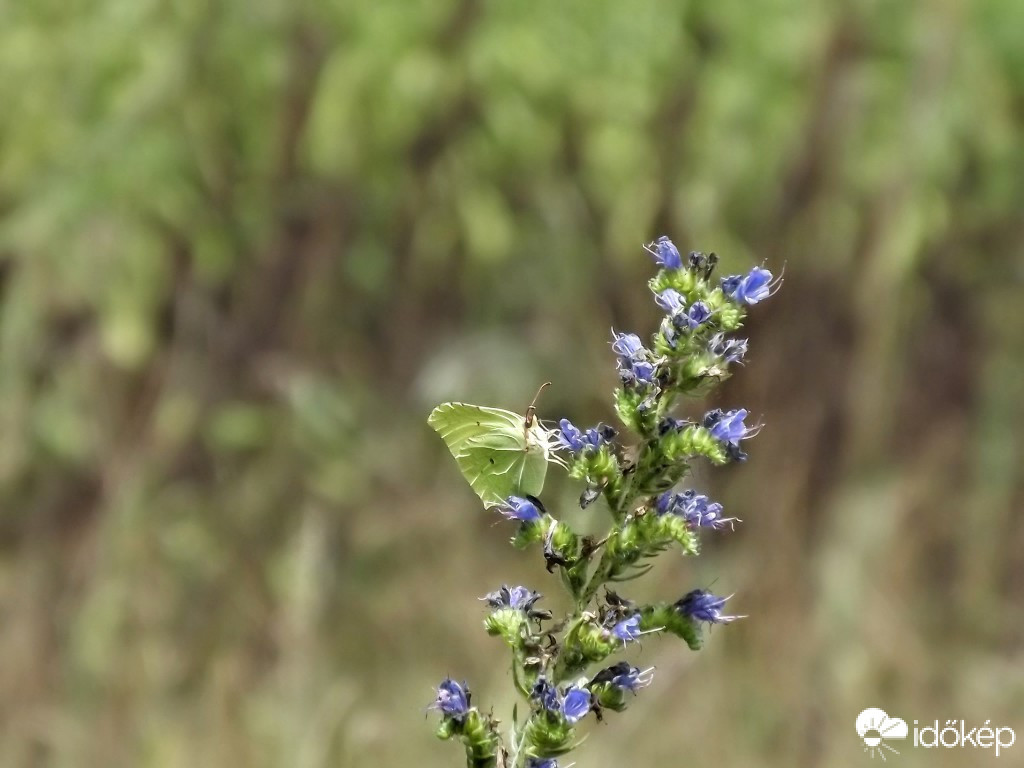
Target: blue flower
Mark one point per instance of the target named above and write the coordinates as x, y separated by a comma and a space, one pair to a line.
697, 509
643, 372
755, 286
625, 676
698, 314
569, 436
634, 359
452, 698
665, 253
598, 436
728, 426
542, 762
670, 300
547, 695
628, 629
730, 350
665, 503
633, 678
731, 284
627, 346
704, 606
518, 508
519, 598
576, 704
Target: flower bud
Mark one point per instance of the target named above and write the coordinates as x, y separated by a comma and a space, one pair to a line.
666, 617
506, 623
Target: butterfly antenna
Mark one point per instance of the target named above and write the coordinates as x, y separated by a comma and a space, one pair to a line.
532, 410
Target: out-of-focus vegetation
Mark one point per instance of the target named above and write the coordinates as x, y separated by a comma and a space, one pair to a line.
245, 247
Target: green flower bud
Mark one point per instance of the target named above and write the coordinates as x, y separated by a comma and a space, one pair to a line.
665, 528
729, 316
665, 616
480, 735
531, 532
627, 406
682, 280
506, 623
609, 696
446, 729
693, 441
548, 734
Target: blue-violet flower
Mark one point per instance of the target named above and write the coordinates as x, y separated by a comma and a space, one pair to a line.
704, 606
518, 508
665, 253
452, 698
576, 704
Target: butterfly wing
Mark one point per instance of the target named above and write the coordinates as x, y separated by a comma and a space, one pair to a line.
494, 451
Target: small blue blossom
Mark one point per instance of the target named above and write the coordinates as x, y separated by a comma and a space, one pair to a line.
728, 426
542, 762
704, 606
547, 695
670, 300
628, 629
665, 503
643, 372
452, 699
627, 345
731, 284
633, 678
697, 509
519, 598
698, 314
730, 350
625, 676
701, 512
569, 436
755, 286
598, 436
518, 508
576, 704
665, 253
634, 364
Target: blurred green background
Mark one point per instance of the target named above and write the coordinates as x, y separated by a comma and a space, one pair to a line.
245, 248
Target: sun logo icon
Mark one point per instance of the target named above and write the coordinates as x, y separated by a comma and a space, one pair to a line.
874, 727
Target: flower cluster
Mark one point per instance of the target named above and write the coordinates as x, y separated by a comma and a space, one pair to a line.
554, 662
695, 508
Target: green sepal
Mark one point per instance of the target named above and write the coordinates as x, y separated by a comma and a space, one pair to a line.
682, 280
598, 467
728, 314
480, 735
446, 729
548, 735
626, 406
663, 528
506, 623
531, 532
664, 616
693, 441
609, 696
586, 643
658, 469
564, 541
